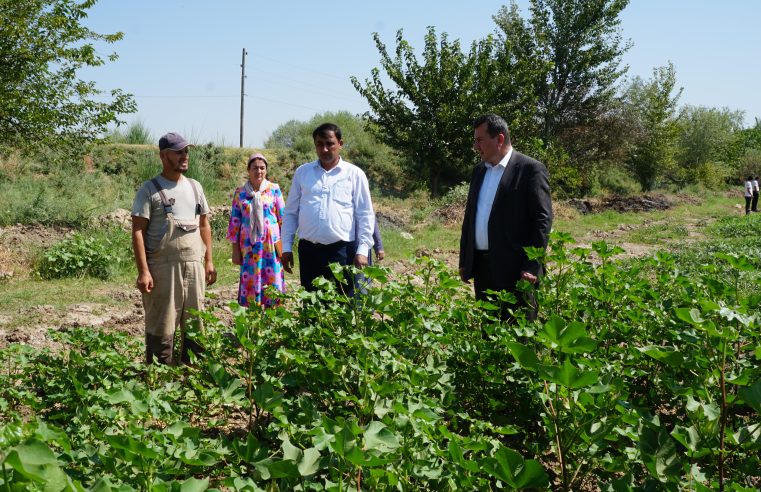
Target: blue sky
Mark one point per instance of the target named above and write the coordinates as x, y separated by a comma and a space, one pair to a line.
181, 59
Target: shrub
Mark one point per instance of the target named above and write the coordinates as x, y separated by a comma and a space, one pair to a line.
135, 133
456, 195
81, 256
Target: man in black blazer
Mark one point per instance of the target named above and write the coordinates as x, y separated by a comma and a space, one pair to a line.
509, 207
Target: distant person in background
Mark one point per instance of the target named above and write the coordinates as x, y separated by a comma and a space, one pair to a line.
254, 231
360, 281
748, 193
329, 205
754, 203
171, 239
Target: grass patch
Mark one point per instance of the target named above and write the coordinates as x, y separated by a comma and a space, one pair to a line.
399, 247
657, 233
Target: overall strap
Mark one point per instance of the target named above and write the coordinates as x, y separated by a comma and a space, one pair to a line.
166, 202
194, 184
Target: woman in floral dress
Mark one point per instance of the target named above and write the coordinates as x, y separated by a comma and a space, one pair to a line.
254, 231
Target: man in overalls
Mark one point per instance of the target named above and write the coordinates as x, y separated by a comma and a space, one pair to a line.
171, 239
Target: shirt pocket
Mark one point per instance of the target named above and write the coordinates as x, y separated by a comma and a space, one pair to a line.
342, 192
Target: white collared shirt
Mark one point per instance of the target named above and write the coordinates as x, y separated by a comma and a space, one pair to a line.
326, 206
486, 199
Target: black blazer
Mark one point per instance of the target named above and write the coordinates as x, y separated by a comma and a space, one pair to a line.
521, 215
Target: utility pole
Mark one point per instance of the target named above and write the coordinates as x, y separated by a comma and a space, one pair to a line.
242, 91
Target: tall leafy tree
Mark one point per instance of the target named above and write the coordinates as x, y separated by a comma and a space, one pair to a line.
577, 47
43, 44
580, 43
709, 134
428, 113
653, 107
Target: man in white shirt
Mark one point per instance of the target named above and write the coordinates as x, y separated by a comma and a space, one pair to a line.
329, 206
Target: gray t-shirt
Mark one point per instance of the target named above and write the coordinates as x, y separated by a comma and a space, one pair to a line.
148, 204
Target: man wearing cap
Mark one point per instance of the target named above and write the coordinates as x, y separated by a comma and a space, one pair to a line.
171, 238
329, 206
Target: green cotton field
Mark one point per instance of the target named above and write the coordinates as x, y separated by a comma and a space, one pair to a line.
641, 374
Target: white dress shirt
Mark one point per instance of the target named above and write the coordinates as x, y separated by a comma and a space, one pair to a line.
325, 206
486, 199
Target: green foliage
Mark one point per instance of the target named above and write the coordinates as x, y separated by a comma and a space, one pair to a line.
639, 375
99, 255
43, 45
34, 193
653, 108
428, 113
456, 195
749, 164
750, 138
137, 133
708, 142
617, 181
551, 76
576, 48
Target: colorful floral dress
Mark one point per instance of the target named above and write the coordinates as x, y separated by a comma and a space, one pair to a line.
260, 265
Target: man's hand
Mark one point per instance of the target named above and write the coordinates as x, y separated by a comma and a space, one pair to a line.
211, 272
529, 277
237, 257
380, 254
462, 276
145, 282
360, 261
287, 261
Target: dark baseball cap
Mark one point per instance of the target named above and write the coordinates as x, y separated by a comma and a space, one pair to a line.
173, 141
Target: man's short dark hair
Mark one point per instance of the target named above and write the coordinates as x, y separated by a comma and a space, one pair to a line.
495, 125
322, 131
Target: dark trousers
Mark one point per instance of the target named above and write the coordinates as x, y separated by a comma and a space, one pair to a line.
314, 259
754, 204
483, 280
747, 204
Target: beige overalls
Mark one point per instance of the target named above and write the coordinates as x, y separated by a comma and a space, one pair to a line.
178, 275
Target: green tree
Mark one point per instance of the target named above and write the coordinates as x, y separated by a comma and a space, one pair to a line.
652, 105
580, 46
43, 45
750, 138
709, 144
428, 113
576, 47
384, 166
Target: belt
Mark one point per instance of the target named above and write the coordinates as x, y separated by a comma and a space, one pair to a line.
482, 252
320, 245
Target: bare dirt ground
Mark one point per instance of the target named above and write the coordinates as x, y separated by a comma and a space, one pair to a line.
125, 312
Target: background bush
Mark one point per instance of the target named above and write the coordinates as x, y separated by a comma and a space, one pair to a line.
100, 255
